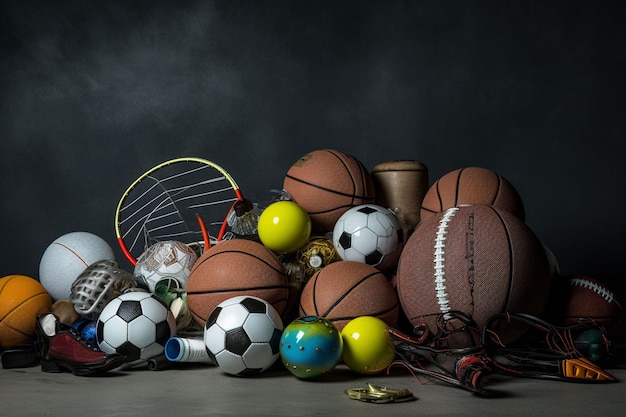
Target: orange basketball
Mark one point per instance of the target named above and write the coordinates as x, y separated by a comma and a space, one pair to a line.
472, 185
21, 299
326, 183
344, 290
236, 267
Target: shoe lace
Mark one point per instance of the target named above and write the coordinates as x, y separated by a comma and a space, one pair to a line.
79, 337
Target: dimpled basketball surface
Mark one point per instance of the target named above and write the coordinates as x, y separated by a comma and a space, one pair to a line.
22, 298
344, 290
68, 256
471, 185
474, 259
326, 183
233, 268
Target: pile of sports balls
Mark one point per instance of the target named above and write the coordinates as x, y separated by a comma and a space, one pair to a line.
326, 274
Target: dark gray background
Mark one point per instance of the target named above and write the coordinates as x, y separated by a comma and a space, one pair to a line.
96, 92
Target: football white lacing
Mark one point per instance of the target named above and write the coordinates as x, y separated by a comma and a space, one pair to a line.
598, 289
439, 260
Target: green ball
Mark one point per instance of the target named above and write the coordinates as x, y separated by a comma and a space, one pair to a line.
591, 344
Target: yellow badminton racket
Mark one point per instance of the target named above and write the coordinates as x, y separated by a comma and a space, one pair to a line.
185, 199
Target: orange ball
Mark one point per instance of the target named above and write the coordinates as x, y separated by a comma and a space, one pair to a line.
344, 290
21, 299
471, 185
233, 268
326, 183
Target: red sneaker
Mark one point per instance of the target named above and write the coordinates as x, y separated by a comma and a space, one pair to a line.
64, 349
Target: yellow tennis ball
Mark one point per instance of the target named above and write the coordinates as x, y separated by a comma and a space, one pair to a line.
284, 227
367, 345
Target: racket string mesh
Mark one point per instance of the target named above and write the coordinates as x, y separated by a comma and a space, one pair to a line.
164, 205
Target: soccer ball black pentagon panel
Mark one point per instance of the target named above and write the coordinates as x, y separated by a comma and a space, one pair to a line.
242, 335
136, 325
370, 234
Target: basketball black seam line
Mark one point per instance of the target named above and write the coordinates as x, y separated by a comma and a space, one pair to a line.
345, 294
314, 294
345, 166
237, 251
268, 287
2, 289
511, 260
347, 206
498, 189
433, 189
18, 331
439, 198
21, 304
300, 305
422, 316
364, 173
353, 195
374, 314
458, 186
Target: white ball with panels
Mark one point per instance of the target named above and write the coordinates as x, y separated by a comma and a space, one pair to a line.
369, 234
66, 257
165, 263
137, 325
242, 335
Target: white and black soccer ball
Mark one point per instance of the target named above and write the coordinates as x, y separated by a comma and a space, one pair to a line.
370, 234
165, 263
242, 335
136, 325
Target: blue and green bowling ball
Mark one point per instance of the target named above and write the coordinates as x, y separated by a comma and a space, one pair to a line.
310, 347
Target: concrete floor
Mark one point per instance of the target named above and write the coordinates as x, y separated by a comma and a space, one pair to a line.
201, 390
